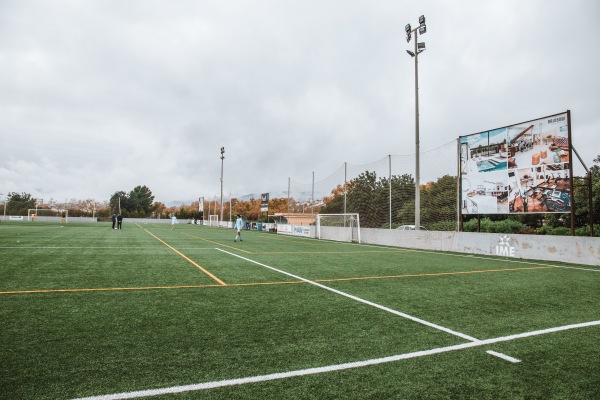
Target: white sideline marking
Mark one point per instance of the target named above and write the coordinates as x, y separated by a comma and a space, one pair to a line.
395, 312
503, 356
330, 368
401, 314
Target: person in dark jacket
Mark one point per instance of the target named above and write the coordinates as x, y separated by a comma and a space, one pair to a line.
114, 220
119, 221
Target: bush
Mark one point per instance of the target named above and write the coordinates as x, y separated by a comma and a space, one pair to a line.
585, 231
489, 226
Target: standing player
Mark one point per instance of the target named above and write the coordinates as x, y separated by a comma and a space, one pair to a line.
173, 221
238, 228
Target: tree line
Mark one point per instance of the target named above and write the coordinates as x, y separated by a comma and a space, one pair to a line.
367, 195
370, 197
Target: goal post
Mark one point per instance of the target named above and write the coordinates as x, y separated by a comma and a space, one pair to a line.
340, 227
213, 220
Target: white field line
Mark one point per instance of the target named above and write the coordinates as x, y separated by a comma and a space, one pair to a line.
395, 312
503, 356
330, 368
370, 303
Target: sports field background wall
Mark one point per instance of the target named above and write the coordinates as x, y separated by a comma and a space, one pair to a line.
569, 249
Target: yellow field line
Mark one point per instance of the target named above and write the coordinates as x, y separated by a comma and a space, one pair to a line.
432, 274
217, 243
187, 258
107, 289
270, 283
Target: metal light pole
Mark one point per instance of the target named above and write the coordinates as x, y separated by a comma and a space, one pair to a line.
4, 217
419, 48
222, 158
230, 208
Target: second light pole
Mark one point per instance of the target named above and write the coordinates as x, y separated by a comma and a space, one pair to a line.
222, 158
419, 48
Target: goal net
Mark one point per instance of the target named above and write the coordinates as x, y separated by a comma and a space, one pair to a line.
340, 227
213, 220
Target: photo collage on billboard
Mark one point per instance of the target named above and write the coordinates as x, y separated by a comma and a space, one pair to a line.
523, 168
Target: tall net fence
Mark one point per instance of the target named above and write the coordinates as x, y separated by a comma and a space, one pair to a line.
383, 192
586, 214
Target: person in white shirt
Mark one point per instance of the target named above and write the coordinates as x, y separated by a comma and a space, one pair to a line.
238, 228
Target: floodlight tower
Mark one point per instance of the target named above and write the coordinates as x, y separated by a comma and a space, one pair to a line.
222, 158
419, 48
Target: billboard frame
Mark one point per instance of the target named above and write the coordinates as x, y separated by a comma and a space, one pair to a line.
496, 145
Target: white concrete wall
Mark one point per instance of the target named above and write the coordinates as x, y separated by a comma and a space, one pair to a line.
336, 233
572, 249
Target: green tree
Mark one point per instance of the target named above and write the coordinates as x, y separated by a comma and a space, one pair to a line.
19, 203
438, 202
140, 201
595, 176
359, 199
334, 204
116, 200
403, 199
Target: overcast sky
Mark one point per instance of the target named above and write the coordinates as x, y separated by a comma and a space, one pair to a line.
98, 96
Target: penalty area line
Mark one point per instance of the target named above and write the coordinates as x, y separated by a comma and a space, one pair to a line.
330, 368
358, 299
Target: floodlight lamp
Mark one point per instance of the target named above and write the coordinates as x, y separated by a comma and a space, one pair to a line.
411, 53
422, 20
408, 37
407, 28
421, 45
422, 29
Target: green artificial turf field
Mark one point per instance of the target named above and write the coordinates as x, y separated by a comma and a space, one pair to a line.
87, 311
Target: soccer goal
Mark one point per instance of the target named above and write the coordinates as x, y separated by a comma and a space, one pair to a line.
213, 220
46, 214
341, 227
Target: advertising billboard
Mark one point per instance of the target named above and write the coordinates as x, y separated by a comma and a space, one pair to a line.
264, 202
522, 168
